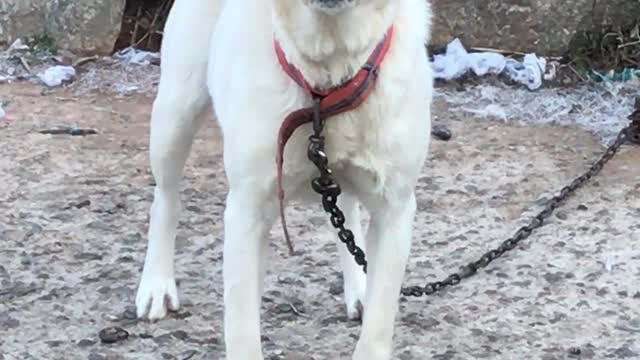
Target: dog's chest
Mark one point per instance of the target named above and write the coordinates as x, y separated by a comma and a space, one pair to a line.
356, 142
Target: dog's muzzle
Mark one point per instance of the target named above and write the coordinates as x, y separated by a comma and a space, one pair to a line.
331, 6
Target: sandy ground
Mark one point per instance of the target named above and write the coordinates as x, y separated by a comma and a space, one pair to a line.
73, 218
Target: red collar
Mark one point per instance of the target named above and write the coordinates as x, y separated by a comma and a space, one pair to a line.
334, 101
373, 62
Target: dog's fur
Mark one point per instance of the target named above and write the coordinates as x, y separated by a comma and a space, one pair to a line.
223, 50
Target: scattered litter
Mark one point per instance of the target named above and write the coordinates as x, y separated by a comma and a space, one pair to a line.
613, 76
17, 46
489, 111
530, 72
68, 130
57, 75
25, 64
3, 113
457, 62
600, 108
85, 60
138, 57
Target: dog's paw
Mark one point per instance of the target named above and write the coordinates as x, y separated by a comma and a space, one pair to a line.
354, 293
355, 310
155, 296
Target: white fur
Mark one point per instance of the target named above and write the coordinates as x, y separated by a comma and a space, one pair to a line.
377, 150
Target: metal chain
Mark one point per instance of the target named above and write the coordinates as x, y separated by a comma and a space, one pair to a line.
326, 186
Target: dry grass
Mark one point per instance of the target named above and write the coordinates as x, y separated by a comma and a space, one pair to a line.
614, 48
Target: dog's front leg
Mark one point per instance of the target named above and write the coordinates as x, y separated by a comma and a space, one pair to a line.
248, 217
388, 245
355, 280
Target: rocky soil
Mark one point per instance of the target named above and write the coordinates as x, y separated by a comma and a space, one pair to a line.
73, 219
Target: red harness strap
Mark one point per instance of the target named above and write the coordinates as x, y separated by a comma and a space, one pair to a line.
333, 101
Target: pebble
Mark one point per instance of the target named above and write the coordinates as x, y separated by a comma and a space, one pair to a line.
7, 322
188, 355
113, 335
96, 356
86, 343
335, 288
441, 132
625, 353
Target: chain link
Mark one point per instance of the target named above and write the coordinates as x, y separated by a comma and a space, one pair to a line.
326, 186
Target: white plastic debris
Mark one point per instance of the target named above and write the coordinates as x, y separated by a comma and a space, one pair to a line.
3, 114
457, 62
453, 64
6, 79
18, 45
57, 75
530, 72
135, 56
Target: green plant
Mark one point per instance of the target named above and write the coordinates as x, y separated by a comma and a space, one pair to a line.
612, 48
42, 45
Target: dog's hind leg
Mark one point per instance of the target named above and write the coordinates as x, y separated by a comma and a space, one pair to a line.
354, 278
177, 115
388, 246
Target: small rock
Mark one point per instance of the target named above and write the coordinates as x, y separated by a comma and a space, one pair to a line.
54, 343
86, 343
188, 355
79, 204
7, 322
553, 277
335, 288
96, 356
282, 309
625, 353
583, 207
163, 339
88, 256
112, 335
99, 225
180, 334
452, 319
182, 315
561, 215
602, 291
441, 132
129, 313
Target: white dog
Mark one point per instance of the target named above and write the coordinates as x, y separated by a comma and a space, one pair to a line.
224, 50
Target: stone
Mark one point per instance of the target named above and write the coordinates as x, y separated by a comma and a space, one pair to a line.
546, 27
113, 335
83, 27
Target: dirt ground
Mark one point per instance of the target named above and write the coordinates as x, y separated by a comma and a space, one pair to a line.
73, 219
